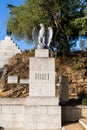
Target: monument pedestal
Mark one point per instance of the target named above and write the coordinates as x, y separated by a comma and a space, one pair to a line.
42, 111
42, 77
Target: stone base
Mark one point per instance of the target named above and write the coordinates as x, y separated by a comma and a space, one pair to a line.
30, 113
42, 113
42, 118
41, 53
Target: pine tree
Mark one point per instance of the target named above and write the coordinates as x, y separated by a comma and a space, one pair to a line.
63, 15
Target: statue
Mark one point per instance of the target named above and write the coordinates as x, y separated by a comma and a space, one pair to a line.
9, 32
42, 38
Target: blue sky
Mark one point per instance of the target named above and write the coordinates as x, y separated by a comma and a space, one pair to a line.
4, 15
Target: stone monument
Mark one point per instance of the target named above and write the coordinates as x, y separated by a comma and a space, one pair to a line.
40, 110
7, 49
63, 88
46, 112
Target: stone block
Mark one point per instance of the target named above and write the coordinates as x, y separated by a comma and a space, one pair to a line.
42, 77
14, 128
41, 53
42, 126
12, 101
41, 101
12, 79
53, 126
30, 110
55, 119
54, 110
15, 124
42, 118
63, 88
18, 117
8, 48
42, 64
3, 123
29, 118
17, 109
30, 126
24, 81
6, 117
42, 110
7, 38
46, 90
42, 115
7, 109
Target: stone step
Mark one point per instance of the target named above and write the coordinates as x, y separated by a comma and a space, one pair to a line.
8, 53
24, 129
83, 122
13, 129
7, 43
8, 47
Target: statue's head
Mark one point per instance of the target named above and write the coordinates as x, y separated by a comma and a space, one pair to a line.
41, 25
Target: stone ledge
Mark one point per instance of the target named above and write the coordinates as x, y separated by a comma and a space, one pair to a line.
13, 129
83, 122
12, 101
32, 101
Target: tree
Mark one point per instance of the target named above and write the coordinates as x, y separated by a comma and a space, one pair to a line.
62, 15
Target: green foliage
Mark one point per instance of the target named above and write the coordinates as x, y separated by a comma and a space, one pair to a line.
64, 16
23, 19
84, 100
76, 66
82, 96
81, 23
30, 53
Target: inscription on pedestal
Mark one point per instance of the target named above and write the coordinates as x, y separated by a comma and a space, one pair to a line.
42, 77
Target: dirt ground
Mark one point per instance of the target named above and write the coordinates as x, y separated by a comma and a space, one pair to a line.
73, 126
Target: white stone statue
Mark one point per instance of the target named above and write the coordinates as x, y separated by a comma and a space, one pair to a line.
42, 38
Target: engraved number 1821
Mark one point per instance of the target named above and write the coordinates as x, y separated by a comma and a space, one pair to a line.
39, 76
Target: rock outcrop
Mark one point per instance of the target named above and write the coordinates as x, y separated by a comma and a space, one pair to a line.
74, 66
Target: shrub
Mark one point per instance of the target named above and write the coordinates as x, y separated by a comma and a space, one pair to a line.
82, 96
84, 100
